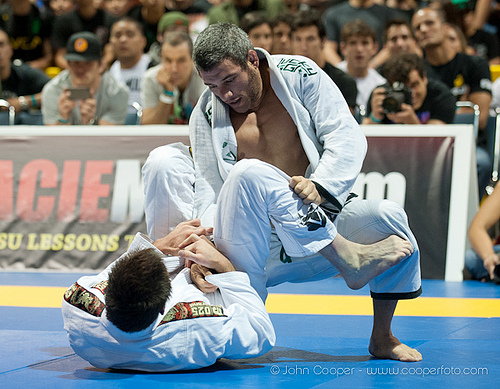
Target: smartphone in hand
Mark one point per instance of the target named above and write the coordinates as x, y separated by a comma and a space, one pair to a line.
79, 93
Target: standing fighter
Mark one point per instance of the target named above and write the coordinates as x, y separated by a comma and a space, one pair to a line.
287, 115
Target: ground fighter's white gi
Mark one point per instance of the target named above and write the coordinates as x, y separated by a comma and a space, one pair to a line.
229, 323
177, 188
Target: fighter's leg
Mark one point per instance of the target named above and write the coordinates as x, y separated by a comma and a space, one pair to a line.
360, 263
383, 344
168, 177
368, 221
256, 193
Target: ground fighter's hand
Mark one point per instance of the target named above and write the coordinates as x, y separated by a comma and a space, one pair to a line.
200, 250
306, 190
170, 244
198, 274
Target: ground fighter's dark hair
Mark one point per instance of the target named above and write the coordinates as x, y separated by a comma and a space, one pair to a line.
138, 288
219, 42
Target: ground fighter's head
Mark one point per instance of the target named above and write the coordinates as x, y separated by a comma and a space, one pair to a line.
138, 288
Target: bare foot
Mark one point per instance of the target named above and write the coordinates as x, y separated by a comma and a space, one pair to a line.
392, 348
360, 263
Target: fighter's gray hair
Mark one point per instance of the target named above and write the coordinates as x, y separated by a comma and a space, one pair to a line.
219, 42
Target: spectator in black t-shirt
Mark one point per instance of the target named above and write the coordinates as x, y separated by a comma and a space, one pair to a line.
86, 17
29, 32
467, 76
432, 101
21, 84
308, 39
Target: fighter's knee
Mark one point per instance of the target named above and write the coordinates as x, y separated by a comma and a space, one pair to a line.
388, 209
249, 170
165, 159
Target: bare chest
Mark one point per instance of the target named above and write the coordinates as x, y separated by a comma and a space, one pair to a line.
270, 135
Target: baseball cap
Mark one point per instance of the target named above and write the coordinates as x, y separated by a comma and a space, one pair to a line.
173, 18
83, 46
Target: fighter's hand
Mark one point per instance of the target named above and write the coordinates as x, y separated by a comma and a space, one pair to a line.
306, 190
198, 274
407, 115
64, 105
200, 250
164, 78
170, 244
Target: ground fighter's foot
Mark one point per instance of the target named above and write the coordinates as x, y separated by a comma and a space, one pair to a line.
392, 348
359, 263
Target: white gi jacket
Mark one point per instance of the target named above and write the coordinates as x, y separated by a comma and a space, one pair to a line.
233, 324
330, 136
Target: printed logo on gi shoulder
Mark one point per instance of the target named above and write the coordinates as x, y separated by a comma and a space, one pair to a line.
293, 65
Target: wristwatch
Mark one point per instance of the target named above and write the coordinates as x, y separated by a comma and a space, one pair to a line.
23, 103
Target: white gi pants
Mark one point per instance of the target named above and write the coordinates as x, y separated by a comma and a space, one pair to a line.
257, 194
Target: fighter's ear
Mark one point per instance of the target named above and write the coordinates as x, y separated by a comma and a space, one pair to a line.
253, 58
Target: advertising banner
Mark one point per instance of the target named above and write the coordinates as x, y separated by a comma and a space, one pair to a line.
72, 198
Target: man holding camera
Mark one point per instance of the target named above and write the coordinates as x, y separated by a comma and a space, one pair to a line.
83, 94
410, 97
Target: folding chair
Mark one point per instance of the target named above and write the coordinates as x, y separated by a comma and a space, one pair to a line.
134, 118
10, 115
493, 140
468, 117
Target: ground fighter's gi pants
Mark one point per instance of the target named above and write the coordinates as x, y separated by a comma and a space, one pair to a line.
268, 232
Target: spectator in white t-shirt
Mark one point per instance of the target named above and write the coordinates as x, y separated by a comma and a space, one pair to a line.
128, 42
358, 43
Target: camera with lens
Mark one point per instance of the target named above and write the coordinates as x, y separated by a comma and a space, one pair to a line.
396, 95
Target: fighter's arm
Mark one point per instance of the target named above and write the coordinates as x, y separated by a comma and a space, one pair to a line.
341, 142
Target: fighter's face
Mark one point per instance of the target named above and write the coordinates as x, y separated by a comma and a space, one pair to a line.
239, 88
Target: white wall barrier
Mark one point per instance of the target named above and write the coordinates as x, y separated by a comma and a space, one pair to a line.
71, 198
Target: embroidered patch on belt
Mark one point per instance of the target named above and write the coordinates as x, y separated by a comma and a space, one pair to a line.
83, 299
192, 310
101, 286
